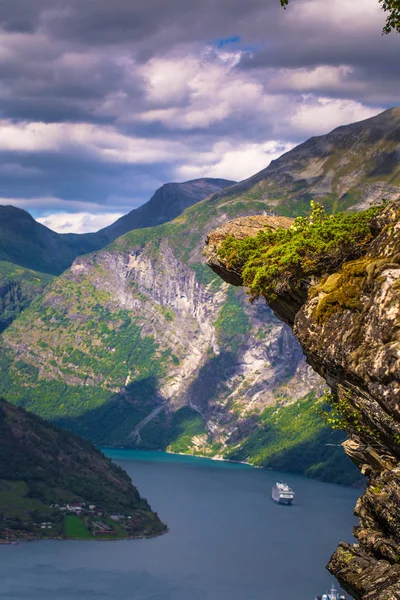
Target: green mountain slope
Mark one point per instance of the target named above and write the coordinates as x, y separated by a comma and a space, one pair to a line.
18, 287
140, 344
41, 466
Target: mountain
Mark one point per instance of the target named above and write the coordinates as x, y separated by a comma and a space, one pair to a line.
349, 168
339, 289
168, 202
140, 344
29, 244
41, 466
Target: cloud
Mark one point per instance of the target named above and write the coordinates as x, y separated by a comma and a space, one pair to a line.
231, 162
104, 142
321, 115
102, 102
78, 222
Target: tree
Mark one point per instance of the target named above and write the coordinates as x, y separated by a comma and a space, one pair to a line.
390, 6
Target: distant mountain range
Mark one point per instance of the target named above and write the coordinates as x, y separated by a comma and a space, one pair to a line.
139, 344
168, 202
27, 243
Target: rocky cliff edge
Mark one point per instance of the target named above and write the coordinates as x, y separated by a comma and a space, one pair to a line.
348, 324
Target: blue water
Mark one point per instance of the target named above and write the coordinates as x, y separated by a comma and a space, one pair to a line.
227, 540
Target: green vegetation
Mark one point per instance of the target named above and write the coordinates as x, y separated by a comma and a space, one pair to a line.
206, 276
295, 438
232, 324
18, 287
186, 424
32, 482
281, 259
74, 528
93, 349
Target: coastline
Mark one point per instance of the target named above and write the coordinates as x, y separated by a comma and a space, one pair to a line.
75, 539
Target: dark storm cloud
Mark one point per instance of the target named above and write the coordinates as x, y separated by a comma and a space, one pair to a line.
96, 62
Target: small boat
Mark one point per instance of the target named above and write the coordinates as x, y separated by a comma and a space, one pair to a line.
282, 493
333, 594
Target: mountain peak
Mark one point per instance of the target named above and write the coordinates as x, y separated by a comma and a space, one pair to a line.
167, 203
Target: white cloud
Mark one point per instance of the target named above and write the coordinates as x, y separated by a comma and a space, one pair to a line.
44, 203
344, 15
105, 142
234, 162
78, 222
208, 90
323, 77
320, 115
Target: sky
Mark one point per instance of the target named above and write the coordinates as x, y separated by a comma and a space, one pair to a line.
103, 101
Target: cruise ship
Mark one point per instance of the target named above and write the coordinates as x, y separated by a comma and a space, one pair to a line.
282, 493
333, 594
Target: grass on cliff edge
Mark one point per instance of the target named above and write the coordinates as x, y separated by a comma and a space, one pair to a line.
277, 260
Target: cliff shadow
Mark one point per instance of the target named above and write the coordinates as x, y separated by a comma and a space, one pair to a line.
210, 381
112, 423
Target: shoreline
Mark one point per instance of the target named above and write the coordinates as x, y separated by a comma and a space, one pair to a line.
355, 486
74, 539
216, 458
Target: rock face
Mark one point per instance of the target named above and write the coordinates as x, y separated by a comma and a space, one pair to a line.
75, 353
348, 325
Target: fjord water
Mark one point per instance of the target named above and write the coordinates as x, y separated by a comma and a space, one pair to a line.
227, 541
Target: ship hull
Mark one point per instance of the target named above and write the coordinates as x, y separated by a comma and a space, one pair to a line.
284, 501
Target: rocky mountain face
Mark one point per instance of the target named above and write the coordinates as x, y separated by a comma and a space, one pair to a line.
30, 252
41, 466
347, 322
128, 348
138, 344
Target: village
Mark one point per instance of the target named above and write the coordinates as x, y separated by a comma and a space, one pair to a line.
91, 516
74, 520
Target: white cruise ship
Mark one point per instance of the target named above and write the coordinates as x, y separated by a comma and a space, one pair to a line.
333, 594
282, 493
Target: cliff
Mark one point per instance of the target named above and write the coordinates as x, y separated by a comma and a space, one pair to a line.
344, 309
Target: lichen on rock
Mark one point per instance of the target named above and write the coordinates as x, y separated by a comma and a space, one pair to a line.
347, 320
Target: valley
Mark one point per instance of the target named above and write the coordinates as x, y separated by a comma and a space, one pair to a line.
139, 344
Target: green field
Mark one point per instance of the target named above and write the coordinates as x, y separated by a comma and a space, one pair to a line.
74, 528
